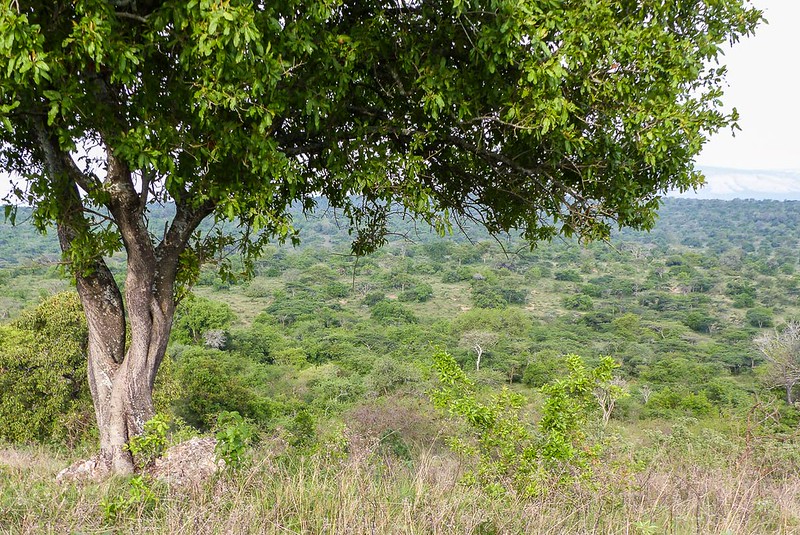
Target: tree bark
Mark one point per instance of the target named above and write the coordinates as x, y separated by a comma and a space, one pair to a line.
121, 376
121, 381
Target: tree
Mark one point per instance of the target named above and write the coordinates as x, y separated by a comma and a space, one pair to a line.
760, 317
699, 320
479, 342
198, 316
607, 393
555, 117
781, 350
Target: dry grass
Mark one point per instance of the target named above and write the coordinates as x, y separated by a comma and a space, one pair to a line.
671, 491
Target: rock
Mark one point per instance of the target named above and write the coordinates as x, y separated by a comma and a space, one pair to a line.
188, 464
84, 470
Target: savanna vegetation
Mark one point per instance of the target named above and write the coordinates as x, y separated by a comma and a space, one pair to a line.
645, 385
546, 118
462, 386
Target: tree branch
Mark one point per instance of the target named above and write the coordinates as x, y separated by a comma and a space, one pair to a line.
131, 16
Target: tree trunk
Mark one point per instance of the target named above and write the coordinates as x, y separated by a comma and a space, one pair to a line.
123, 399
123, 389
120, 378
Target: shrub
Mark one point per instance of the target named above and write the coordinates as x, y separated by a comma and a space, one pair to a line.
513, 296
578, 302
213, 382
336, 290
420, 293
510, 455
668, 403
289, 309
389, 374
391, 313
45, 395
568, 275
291, 356
149, 446
486, 295
698, 321
760, 317
543, 367
459, 274
373, 298
303, 429
233, 436
196, 316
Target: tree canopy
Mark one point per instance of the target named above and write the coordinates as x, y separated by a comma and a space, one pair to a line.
547, 116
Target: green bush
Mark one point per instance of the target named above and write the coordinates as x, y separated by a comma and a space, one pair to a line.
373, 298
215, 381
303, 429
389, 374
45, 395
566, 411
513, 296
459, 274
259, 343
568, 275
698, 321
197, 316
391, 313
487, 295
669, 403
290, 309
510, 455
336, 290
543, 367
150, 445
418, 293
724, 392
760, 317
233, 434
578, 302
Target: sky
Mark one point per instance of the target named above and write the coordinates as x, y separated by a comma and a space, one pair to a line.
764, 86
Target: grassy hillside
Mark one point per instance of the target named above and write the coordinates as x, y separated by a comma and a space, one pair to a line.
332, 360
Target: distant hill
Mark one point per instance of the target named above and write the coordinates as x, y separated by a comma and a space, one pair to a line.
695, 220
728, 184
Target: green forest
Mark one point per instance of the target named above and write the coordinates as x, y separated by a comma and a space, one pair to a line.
459, 383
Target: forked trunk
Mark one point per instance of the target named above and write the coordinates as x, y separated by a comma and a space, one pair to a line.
121, 379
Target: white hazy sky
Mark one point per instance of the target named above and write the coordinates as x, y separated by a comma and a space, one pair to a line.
764, 86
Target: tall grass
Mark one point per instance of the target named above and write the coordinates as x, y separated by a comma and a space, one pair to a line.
678, 482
